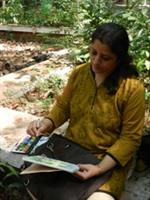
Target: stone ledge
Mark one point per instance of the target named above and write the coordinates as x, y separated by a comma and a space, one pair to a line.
13, 126
34, 29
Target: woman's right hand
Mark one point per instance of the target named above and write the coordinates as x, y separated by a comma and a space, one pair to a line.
40, 127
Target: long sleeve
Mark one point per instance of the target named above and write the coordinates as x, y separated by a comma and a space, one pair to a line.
132, 125
60, 111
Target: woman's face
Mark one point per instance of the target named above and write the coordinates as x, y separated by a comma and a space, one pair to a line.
103, 60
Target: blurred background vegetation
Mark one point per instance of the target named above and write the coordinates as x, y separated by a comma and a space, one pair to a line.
82, 17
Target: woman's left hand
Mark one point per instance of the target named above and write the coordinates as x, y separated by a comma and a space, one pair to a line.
87, 171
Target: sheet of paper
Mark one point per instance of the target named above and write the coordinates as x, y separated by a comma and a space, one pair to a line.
53, 163
35, 168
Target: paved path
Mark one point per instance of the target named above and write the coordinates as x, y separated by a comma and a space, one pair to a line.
138, 186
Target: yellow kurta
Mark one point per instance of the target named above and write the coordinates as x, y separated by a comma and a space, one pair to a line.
103, 123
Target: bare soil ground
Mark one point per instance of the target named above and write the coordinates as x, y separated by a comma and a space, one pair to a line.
16, 56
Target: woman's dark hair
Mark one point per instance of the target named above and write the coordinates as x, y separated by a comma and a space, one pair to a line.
116, 37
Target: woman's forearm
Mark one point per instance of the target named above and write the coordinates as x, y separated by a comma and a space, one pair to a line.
106, 164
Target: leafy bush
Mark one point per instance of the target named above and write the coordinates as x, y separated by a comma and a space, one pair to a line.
137, 21
12, 13
47, 12
134, 17
10, 185
93, 13
7, 175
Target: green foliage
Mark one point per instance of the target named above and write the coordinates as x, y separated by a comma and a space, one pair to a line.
48, 12
147, 95
80, 55
11, 186
64, 12
49, 40
46, 91
44, 103
93, 13
136, 19
12, 13
54, 83
38, 15
133, 17
8, 176
147, 88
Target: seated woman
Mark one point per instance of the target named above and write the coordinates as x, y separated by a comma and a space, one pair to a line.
104, 102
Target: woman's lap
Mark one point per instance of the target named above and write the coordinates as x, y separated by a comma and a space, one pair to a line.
94, 196
100, 196
114, 186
